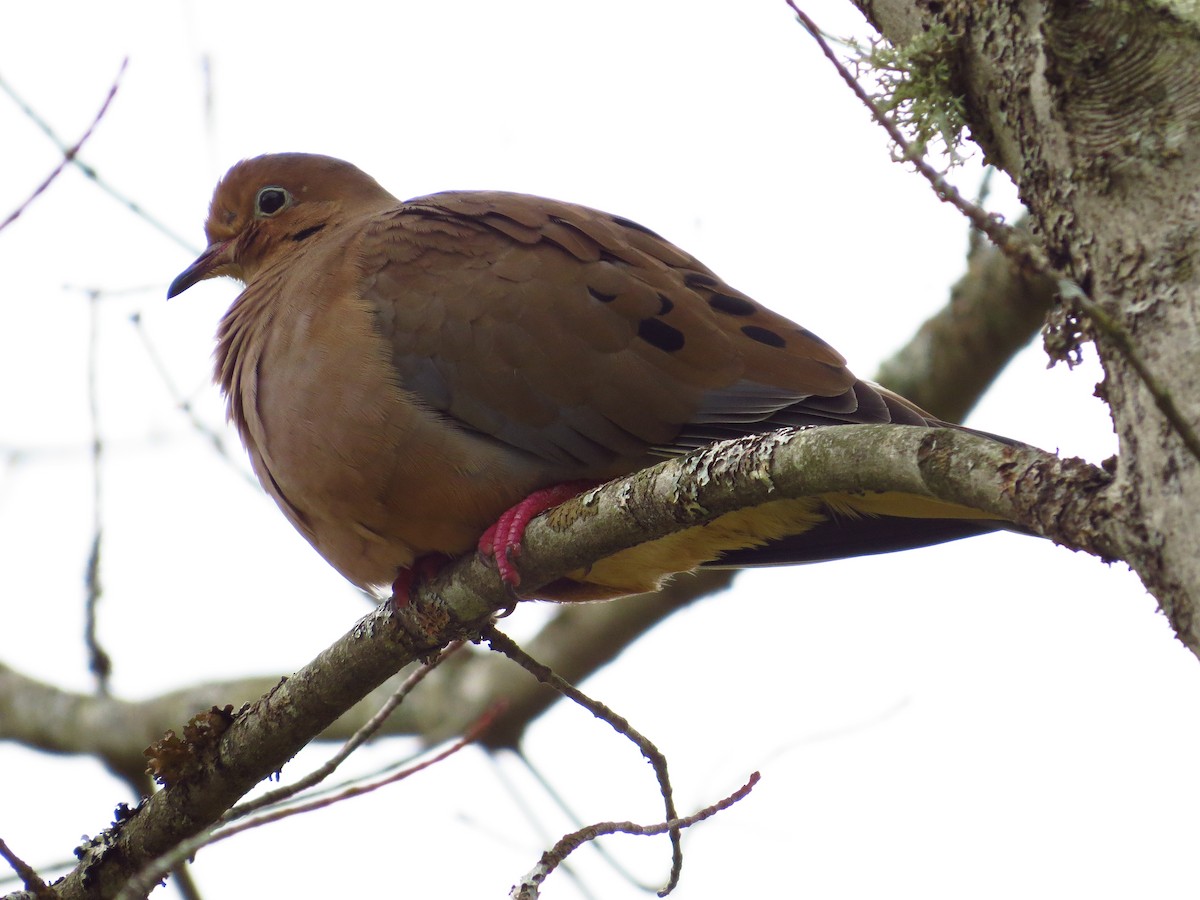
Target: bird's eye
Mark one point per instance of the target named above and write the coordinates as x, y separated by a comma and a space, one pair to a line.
271, 200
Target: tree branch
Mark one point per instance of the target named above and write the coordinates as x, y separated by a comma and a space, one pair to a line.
578, 640
1084, 109
994, 310
945, 367
1063, 499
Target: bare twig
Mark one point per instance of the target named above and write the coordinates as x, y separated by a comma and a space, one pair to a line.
975, 238
68, 152
1123, 341
99, 662
1014, 245
504, 644
91, 173
517, 796
32, 881
368, 729
528, 888
560, 801
215, 438
150, 875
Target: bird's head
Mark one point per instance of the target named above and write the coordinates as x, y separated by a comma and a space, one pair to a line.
270, 205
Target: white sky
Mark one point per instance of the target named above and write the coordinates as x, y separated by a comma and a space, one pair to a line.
993, 718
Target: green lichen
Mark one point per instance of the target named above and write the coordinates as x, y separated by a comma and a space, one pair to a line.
915, 90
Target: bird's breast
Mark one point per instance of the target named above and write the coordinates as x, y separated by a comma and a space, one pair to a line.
369, 475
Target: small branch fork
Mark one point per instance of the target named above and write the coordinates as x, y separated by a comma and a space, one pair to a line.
501, 643
528, 888
70, 153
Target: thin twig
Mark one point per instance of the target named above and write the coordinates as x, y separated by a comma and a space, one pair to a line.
974, 241
91, 173
356, 740
1015, 246
534, 819
504, 644
61, 866
560, 801
68, 153
1123, 341
212, 436
1022, 251
99, 662
150, 875
30, 878
527, 889
470, 736
174, 859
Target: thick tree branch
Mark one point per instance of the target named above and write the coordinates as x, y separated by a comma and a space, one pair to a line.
1065, 500
994, 311
580, 639
1093, 109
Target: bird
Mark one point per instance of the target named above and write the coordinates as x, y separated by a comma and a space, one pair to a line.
415, 379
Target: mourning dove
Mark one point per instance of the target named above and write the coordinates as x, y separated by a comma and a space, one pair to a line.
404, 372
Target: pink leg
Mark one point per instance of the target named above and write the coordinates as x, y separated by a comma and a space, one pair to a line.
502, 541
423, 567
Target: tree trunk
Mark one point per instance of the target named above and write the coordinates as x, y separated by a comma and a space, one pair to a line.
1091, 108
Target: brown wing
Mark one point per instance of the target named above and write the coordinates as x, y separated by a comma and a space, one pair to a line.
585, 339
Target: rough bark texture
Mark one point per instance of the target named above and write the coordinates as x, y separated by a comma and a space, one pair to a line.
1092, 110
226, 752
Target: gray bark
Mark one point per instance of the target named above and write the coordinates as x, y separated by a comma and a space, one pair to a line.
1092, 109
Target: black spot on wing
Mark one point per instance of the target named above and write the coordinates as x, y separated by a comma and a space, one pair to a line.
636, 226
665, 304
601, 296
699, 280
659, 334
730, 305
764, 335
812, 337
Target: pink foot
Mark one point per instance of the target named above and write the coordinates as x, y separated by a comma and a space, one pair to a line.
423, 567
502, 541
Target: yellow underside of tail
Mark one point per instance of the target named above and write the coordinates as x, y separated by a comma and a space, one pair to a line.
647, 566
